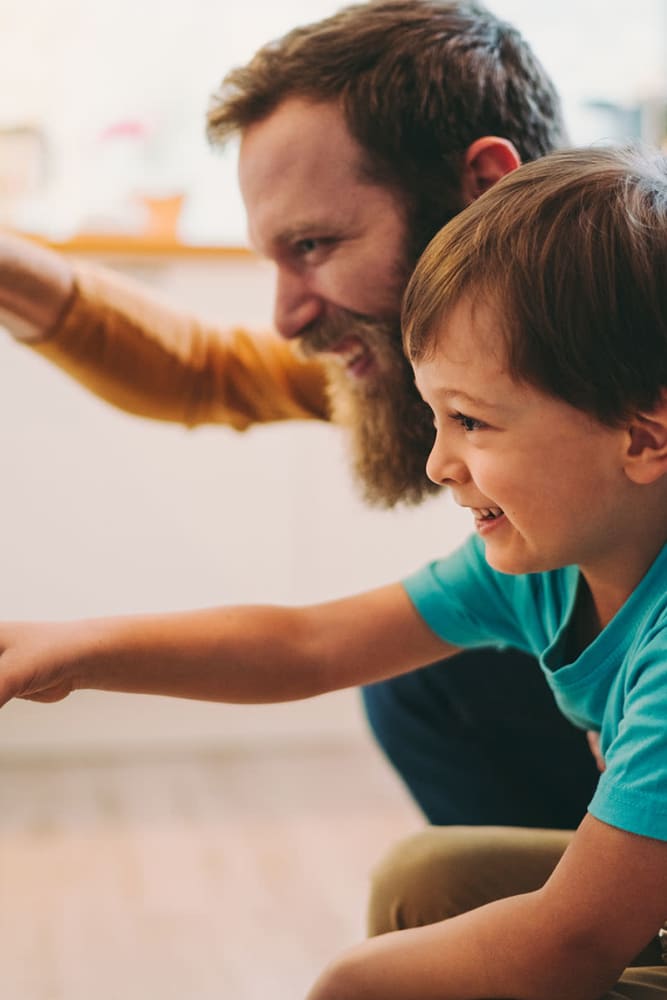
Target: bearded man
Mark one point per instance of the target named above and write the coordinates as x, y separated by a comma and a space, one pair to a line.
361, 135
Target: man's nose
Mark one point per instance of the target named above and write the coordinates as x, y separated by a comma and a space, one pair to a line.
296, 305
444, 466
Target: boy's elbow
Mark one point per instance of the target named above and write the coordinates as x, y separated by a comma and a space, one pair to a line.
321, 653
306, 660
346, 978
580, 965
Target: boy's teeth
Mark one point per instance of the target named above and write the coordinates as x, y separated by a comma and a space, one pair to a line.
489, 512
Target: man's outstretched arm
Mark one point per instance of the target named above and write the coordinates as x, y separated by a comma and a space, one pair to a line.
140, 354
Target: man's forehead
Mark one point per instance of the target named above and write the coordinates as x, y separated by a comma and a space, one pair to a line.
299, 172
296, 140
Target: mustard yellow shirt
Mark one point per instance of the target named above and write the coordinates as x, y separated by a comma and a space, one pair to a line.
149, 359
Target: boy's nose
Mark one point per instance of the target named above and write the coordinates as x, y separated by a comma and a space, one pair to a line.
295, 307
443, 466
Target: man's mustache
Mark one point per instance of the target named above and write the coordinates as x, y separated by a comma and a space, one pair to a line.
326, 333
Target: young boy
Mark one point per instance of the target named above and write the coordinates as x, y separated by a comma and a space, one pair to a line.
536, 322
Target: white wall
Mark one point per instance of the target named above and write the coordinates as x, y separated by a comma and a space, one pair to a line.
105, 513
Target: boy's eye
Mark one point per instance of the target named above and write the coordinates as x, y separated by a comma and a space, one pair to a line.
467, 423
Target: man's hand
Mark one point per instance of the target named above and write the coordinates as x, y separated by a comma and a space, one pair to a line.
35, 286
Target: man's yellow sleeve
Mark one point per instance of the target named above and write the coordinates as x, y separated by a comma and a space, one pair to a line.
149, 359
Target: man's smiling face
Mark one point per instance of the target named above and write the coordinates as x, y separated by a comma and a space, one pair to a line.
339, 245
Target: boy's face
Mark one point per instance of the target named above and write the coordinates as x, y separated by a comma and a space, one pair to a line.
544, 482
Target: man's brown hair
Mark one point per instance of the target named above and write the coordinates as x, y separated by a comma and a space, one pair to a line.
418, 82
570, 252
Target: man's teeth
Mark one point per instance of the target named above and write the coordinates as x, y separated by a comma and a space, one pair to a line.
353, 356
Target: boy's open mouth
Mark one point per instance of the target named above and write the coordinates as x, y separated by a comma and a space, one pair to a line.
487, 513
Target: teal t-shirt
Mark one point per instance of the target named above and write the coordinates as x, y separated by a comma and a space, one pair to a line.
617, 686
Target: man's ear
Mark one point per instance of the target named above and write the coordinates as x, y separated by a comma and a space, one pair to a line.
485, 161
646, 451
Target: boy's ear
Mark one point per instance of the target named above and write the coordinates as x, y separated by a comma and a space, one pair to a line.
646, 452
485, 161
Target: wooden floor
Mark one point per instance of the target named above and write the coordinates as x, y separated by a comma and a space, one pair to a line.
195, 877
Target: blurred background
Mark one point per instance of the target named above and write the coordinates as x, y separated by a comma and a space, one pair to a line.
103, 103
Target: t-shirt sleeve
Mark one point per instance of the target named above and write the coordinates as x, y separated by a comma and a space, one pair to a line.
467, 603
632, 791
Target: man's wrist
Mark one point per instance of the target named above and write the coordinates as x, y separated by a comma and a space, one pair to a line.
19, 328
36, 285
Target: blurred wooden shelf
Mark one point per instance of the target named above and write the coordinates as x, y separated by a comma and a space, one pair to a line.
139, 246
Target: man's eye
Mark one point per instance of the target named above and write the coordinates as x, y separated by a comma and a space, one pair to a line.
306, 246
467, 423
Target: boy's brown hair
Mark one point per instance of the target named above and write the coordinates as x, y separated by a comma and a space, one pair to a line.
571, 254
418, 82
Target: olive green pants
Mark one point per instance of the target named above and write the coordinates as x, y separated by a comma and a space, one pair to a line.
448, 870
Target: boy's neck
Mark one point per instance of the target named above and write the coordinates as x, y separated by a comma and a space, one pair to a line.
585, 623
601, 596
606, 586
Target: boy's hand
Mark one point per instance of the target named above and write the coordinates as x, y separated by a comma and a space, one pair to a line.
594, 746
38, 661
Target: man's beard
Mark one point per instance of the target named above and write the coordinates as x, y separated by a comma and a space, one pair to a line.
390, 427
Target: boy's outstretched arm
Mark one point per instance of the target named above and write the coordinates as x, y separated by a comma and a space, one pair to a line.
571, 940
235, 654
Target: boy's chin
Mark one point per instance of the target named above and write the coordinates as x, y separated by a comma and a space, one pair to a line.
517, 564
506, 559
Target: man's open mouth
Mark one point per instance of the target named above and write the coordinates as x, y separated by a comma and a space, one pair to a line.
353, 355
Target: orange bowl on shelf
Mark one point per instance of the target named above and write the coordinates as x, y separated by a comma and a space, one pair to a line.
162, 215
